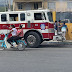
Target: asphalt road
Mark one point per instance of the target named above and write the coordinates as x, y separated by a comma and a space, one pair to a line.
46, 58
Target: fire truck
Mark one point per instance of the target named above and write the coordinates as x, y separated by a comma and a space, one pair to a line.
38, 25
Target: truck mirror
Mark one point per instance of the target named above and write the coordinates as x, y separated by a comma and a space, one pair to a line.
42, 18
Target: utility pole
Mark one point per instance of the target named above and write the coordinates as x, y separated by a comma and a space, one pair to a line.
43, 4
9, 6
5, 5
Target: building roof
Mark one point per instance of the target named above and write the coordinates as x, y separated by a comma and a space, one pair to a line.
37, 0
58, 0
25, 11
27, 0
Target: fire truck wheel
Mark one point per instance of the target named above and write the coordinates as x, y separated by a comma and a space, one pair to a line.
41, 41
33, 39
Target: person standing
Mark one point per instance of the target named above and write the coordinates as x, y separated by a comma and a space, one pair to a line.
64, 29
59, 26
55, 28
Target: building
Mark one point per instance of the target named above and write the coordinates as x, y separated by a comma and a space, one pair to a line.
60, 5
57, 5
26, 4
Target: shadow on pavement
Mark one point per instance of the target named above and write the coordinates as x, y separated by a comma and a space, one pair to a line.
55, 46
43, 45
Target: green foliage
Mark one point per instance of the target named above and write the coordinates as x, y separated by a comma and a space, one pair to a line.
11, 7
2, 9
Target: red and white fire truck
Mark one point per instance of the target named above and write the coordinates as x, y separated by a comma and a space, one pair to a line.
37, 25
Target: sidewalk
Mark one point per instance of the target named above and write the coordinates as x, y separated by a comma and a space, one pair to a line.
67, 42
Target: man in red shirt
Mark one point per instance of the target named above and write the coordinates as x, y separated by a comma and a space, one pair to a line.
19, 34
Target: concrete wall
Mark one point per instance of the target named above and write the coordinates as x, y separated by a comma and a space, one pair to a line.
27, 0
15, 5
60, 6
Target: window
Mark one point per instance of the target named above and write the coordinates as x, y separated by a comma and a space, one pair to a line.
35, 5
51, 5
69, 5
3, 17
20, 6
22, 17
37, 16
13, 17
50, 16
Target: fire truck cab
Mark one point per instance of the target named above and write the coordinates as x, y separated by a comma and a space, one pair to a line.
37, 25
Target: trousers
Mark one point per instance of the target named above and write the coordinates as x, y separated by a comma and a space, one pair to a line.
63, 34
11, 39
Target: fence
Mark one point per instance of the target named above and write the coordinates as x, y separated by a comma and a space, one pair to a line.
64, 15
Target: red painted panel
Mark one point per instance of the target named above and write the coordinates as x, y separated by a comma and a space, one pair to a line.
48, 35
51, 35
45, 35
33, 25
2, 36
50, 25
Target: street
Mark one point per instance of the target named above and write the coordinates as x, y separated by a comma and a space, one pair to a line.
46, 58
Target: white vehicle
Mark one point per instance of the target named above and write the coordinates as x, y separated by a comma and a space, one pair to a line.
37, 25
65, 20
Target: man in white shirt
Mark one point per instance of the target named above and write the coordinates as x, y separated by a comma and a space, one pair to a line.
14, 34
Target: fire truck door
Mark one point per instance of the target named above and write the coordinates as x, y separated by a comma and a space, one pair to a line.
29, 19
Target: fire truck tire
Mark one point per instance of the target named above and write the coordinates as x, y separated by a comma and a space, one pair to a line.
33, 39
41, 41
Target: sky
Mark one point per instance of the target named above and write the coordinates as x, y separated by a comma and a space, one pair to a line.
5, 0
11, 1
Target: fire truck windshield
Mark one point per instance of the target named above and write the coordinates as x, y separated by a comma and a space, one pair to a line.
50, 16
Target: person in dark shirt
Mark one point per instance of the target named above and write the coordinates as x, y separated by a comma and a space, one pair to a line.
55, 27
59, 26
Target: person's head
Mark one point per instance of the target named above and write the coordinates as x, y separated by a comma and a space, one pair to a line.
20, 27
59, 21
55, 21
64, 23
12, 26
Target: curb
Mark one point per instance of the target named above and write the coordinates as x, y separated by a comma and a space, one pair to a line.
59, 42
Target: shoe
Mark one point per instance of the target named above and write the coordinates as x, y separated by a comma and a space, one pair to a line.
12, 46
16, 46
